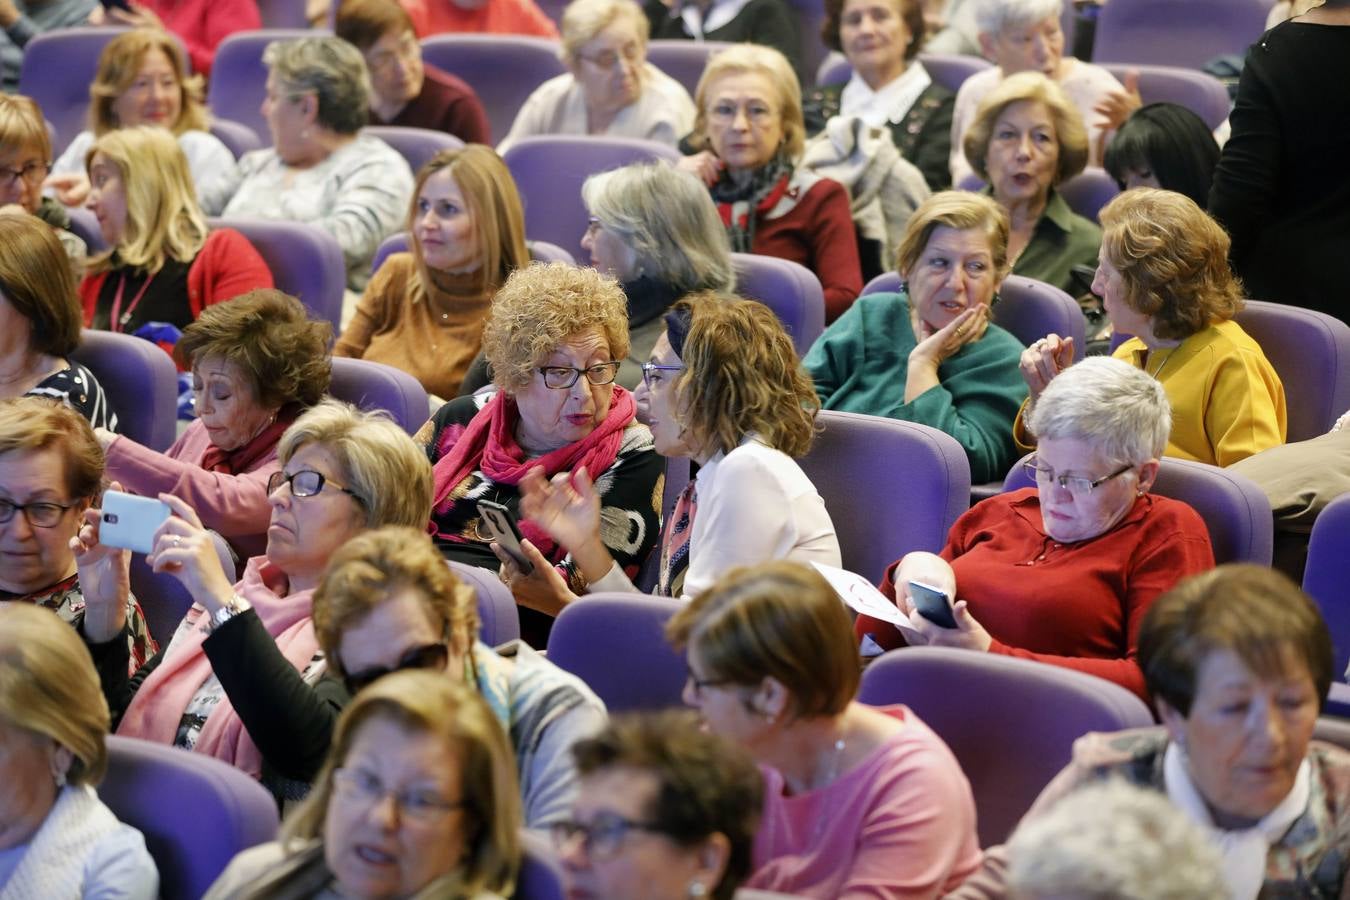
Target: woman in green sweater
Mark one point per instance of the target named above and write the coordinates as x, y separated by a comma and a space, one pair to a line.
929, 354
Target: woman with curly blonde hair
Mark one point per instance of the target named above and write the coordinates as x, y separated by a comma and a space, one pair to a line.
1164, 278
723, 388
554, 340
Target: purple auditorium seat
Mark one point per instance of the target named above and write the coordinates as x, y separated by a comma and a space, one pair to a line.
395, 243
790, 289
808, 15
283, 13
58, 67
239, 78
616, 644
376, 386
540, 251
84, 225
196, 812
1173, 33
1088, 191
1333, 731
549, 171
236, 136
1236, 511
141, 382
503, 69
1311, 353
540, 876
952, 71
890, 486
1010, 722
1325, 579
498, 618
834, 69
416, 145
305, 260
683, 60
1200, 92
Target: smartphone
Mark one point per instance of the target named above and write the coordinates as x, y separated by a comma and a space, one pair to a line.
932, 604
130, 522
116, 4
500, 525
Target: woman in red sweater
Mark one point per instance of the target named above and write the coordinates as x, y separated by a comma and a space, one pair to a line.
164, 265
1064, 572
749, 133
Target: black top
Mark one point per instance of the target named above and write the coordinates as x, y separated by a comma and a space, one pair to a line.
165, 300
768, 22
1281, 187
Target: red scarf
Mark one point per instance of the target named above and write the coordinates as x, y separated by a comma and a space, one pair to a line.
488, 445
241, 459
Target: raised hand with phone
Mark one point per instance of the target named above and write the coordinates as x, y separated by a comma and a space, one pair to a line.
925, 584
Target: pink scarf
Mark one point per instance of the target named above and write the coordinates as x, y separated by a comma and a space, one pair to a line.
156, 712
488, 445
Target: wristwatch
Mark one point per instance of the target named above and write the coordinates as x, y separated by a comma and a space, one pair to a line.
233, 607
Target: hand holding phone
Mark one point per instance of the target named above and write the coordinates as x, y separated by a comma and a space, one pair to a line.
130, 522
932, 603
500, 525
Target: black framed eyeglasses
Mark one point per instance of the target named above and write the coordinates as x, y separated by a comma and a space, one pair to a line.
42, 514
427, 656
651, 373
33, 173
306, 483
560, 378
601, 837
701, 684
1080, 485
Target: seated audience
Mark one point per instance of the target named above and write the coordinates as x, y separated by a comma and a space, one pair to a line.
424, 310
51, 471
610, 88
748, 134
321, 169
388, 602
771, 23
656, 230
1064, 572
1026, 36
1239, 662
889, 87
1025, 141
198, 24
479, 17
142, 79
147, 209
1164, 279
41, 317
25, 160
724, 389
21, 22
404, 90
57, 839
1166, 146
554, 339
437, 750
213, 688
695, 797
859, 800
929, 353
257, 364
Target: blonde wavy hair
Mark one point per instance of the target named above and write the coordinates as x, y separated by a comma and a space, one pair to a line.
958, 210
163, 219
758, 60
1172, 259
121, 62
542, 305
741, 376
1029, 87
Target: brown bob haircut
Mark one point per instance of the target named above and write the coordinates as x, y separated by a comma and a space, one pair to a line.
1172, 259
1254, 612
36, 279
909, 11
779, 620
362, 23
43, 423
22, 126
270, 337
121, 62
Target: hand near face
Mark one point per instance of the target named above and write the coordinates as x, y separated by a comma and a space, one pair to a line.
1117, 106
947, 341
567, 507
138, 17
543, 589
72, 188
185, 549
104, 578
1043, 360
703, 165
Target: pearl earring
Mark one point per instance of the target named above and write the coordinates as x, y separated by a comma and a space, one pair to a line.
697, 889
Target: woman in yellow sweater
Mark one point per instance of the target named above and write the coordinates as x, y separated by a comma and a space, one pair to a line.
423, 311
1164, 278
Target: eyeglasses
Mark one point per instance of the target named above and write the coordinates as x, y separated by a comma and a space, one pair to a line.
306, 483
701, 684
602, 836
608, 59
39, 515
560, 378
33, 173
422, 806
427, 656
1079, 485
651, 373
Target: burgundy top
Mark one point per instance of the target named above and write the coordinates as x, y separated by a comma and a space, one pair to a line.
447, 104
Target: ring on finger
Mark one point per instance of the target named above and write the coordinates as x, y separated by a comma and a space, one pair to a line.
177, 541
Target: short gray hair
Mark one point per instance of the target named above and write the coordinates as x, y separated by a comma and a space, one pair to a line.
1109, 403
667, 217
330, 67
993, 17
1114, 841
389, 474
582, 20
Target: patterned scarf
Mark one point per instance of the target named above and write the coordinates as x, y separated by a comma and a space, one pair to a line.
741, 205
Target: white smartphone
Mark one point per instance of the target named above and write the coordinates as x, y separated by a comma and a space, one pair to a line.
932, 604
130, 522
501, 526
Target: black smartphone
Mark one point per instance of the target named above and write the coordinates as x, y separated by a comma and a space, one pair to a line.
116, 4
932, 604
501, 526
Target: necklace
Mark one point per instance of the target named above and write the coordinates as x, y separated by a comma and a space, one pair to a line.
839, 744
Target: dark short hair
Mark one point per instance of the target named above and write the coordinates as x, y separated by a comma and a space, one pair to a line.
1255, 612
705, 785
36, 279
1171, 142
911, 12
363, 22
273, 341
